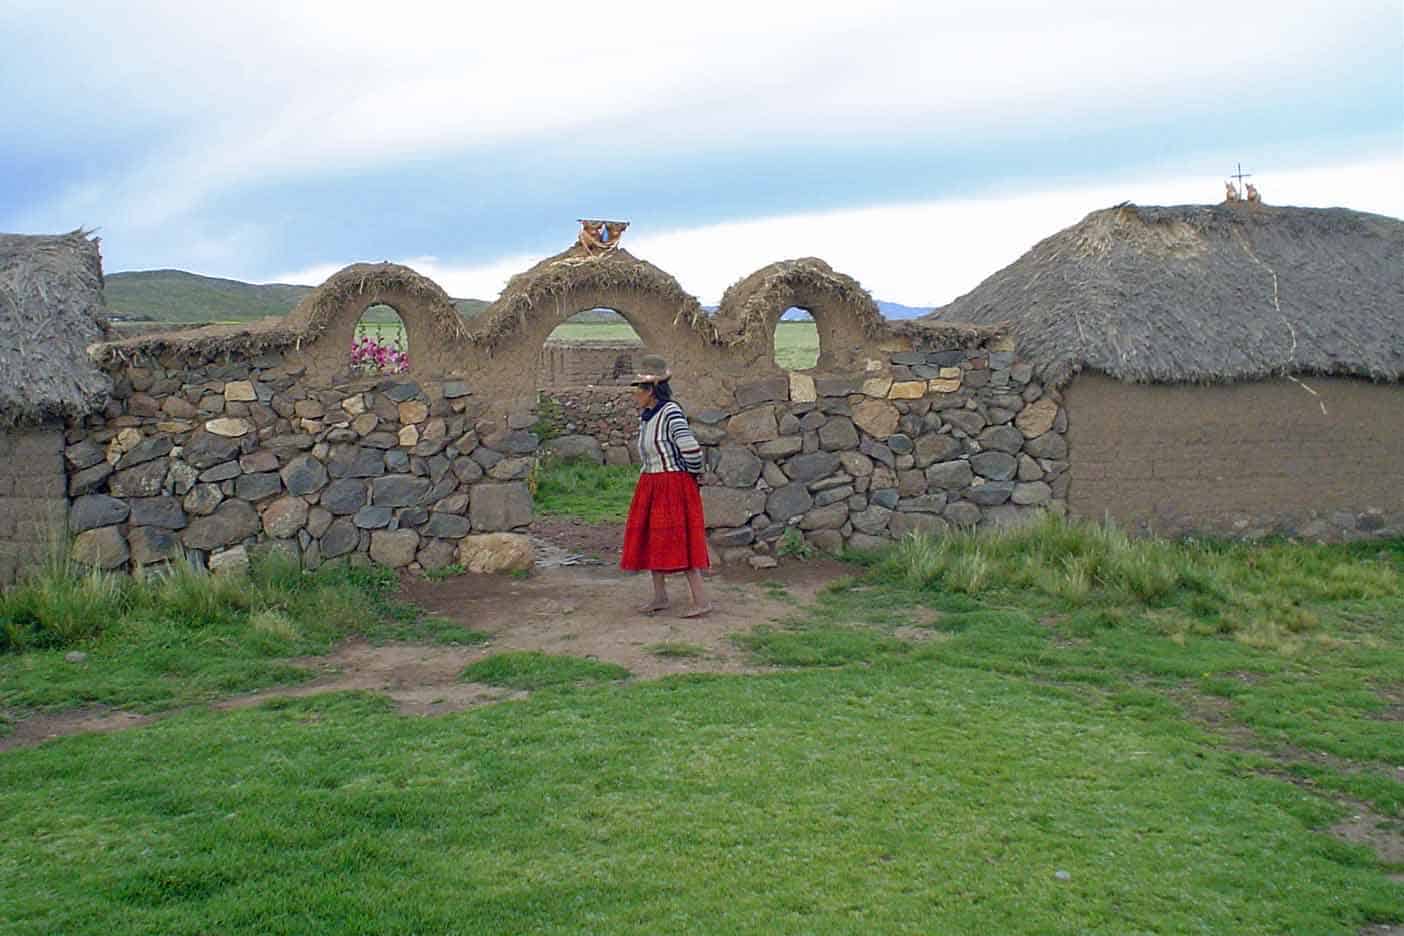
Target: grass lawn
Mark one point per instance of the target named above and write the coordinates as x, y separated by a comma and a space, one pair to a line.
994, 735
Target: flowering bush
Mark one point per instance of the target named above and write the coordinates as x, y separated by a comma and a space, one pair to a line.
372, 355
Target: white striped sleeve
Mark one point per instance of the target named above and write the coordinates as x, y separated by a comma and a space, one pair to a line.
680, 434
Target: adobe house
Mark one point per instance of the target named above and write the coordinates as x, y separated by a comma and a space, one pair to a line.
50, 311
1231, 369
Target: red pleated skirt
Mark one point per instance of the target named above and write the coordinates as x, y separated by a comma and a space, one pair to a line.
665, 532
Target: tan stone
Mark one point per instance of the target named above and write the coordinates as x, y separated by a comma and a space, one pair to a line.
878, 418
802, 388
102, 548
234, 561
239, 391
308, 409
127, 439
311, 426
949, 373
942, 385
365, 423
228, 426
175, 426
754, 425
434, 430
413, 411
495, 552
1036, 418
409, 436
394, 548
354, 405
1002, 343
907, 390
877, 387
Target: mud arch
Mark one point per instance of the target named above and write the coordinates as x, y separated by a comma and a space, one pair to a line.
326, 318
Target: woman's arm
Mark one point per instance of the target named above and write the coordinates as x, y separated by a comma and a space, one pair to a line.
680, 434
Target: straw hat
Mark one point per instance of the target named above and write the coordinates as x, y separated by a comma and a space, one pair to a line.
652, 369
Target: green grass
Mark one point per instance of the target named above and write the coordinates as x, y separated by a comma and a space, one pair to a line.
187, 637
578, 488
677, 650
882, 783
537, 670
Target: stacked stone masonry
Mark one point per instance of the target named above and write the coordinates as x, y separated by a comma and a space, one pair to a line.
32, 503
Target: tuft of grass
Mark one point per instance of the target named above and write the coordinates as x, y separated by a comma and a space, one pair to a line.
445, 572
579, 488
536, 670
676, 650
793, 545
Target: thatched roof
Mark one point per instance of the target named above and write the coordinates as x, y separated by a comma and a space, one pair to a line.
1196, 293
750, 304
50, 311
936, 335
544, 285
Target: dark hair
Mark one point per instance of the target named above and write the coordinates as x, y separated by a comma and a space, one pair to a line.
661, 391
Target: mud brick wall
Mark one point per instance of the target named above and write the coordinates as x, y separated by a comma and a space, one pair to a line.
586, 363
1317, 457
930, 440
33, 508
210, 460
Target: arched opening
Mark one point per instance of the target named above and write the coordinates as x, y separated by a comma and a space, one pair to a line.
380, 344
593, 348
796, 340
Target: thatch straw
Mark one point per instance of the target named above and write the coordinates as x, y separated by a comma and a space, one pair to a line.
200, 344
541, 289
50, 310
751, 304
934, 335
1205, 294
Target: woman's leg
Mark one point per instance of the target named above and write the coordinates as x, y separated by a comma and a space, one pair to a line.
700, 605
660, 595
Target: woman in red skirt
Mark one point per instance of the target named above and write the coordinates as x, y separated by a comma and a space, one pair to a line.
664, 532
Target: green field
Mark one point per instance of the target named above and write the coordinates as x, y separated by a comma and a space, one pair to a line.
796, 343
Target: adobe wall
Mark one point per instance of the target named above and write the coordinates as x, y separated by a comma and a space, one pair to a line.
1319, 457
586, 363
33, 509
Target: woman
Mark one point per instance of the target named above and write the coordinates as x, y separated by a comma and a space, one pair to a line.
664, 532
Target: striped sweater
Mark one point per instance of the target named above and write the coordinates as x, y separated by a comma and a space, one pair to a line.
666, 442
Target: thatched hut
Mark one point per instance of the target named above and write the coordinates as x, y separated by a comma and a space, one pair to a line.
50, 311
1233, 368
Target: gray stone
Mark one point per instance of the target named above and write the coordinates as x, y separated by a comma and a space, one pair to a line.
446, 526
789, 424
203, 499
1010, 517
510, 469
397, 461
773, 476
856, 464
454, 389
832, 481
926, 503
737, 467
437, 554
812, 421
996, 466
96, 510
467, 470
911, 483
833, 495
825, 518
398, 490
730, 538
180, 477
381, 440
150, 545
318, 519
259, 460
835, 386
1004, 439
726, 507
89, 479
582, 447
304, 475
454, 504
902, 524
864, 542
706, 435
340, 538
909, 357
990, 493
711, 417
949, 475
373, 518
811, 467
224, 471
486, 457
789, 501
755, 425
1048, 445
837, 434
235, 520
962, 514
936, 448
872, 521
782, 447
344, 496
967, 421
157, 512
411, 517
499, 506
233, 561
84, 454
762, 391
354, 461
256, 487
762, 562
877, 451
949, 358
401, 392
900, 444
102, 548
1032, 492
144, 480
205, 449
394, 548
514, 442
1029, 469
146, 450
885, 497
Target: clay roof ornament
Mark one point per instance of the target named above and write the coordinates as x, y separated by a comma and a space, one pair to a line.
600, 237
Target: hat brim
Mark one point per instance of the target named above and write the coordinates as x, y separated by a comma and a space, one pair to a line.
641, 379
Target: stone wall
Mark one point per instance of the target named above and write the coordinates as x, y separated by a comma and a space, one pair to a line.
1317, 457
606, 414
586, 363
931, 439
209, 459
33, 509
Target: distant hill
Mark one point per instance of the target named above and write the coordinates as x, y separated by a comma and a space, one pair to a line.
180, 297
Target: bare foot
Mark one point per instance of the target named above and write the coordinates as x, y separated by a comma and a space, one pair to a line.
697, 611
652, 607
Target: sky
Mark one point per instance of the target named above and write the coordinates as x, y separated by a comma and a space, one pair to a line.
918, 147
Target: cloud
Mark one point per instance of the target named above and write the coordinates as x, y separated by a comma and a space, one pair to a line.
923, 253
